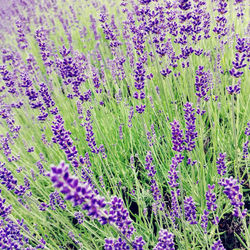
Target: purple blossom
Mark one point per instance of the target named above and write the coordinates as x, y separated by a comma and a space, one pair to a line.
4, 210
113, 244
221, 165
154, 186
79, 216
211, 198
175, 208
138, 243
245, 145
190, 133
165, 241
232, 191
62, 138
120, 217
173, 173
218, 245
78, 193
177, 136
190, 210
204, 220
55, 199
201, 82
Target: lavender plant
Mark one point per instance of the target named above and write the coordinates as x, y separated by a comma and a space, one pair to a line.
124, 124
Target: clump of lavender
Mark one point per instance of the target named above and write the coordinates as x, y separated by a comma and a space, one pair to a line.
239, 63
211, 198
120, 217
221, 28
232, 191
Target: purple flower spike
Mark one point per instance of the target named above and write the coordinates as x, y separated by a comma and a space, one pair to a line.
173, 173
138, 243
211, 198
78, 193
190, 133
232, 191
165, 241
221, 165
120, 217
177, 136
190, 210
154, 186
218, 246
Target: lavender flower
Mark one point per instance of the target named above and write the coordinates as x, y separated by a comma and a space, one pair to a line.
190, 133
120, 217
218, 245
177, 136
78, 193
204, 220
138, 243
190, 210
211, 198
4, 210
165, 241
245, 146
154, 186
232, 191
62, 137
201, 82
173, 173
175, 208
112, 244
221, 165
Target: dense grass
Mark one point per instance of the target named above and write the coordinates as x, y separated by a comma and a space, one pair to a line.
221, 129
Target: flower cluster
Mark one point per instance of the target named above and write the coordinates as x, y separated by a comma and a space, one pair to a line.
165, 241
211, 206
190, 210
218, 245
62, 138
154, 186
46, 52
173, 173
119, 244
221, 165
201, 83
120, 217
90, 136
232, 191
190, 133
177, 136
221, 28
211, 198
77, 192
245, 146
21, 40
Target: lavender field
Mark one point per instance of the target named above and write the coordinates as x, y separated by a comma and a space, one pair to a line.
124, 124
